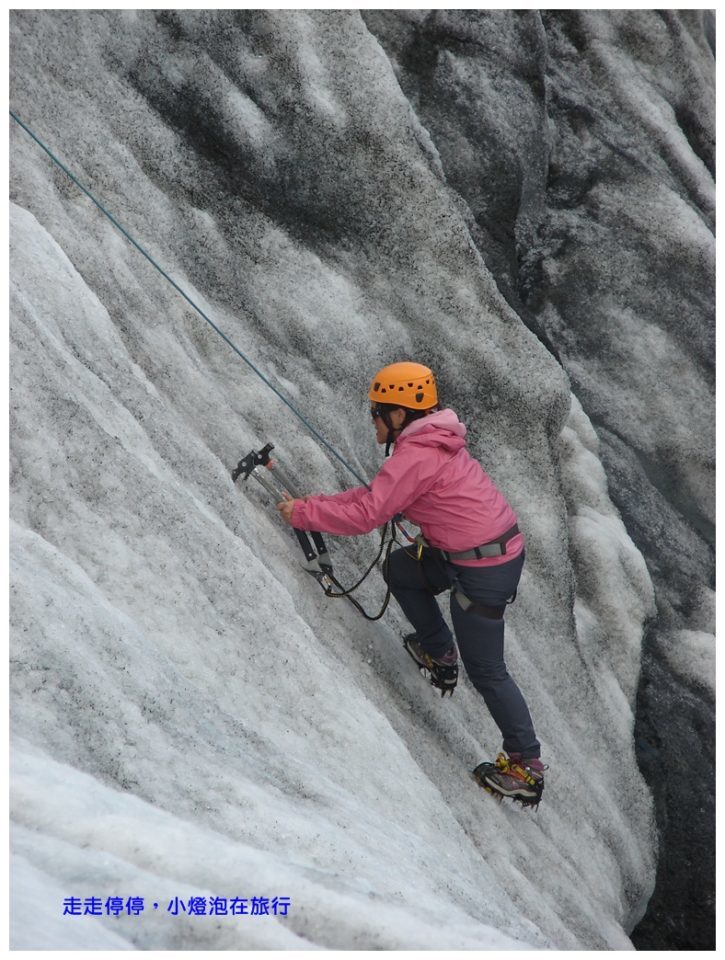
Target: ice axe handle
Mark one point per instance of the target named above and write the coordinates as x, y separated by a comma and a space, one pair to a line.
304, 542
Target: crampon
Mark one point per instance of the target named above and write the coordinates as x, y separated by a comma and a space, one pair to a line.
506, 778
443, 676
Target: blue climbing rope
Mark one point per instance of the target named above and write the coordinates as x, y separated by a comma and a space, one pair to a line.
188, 299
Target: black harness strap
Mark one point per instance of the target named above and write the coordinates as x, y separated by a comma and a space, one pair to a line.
468, 606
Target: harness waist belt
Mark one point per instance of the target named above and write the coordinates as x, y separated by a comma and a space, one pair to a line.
494, 548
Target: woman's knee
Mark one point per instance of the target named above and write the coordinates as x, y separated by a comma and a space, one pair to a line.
396, 567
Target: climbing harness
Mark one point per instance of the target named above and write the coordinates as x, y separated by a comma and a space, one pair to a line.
491, 613
268, 473
492, 548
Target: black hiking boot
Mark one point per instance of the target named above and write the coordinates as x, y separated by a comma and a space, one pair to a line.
443, 671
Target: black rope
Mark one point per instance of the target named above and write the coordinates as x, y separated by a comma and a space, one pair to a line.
346, 593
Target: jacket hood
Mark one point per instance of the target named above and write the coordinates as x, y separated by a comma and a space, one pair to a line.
440, 429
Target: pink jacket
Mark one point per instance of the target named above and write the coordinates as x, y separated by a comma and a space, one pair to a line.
434, 481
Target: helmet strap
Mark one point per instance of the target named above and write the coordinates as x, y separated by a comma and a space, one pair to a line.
392, 431
390, 440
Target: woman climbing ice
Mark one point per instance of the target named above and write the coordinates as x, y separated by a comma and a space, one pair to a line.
470, 545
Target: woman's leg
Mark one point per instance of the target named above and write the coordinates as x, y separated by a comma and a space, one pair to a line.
412, 583
481, 644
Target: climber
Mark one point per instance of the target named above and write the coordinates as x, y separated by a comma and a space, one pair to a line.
470, 545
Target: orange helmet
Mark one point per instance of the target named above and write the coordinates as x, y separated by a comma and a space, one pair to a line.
406, 384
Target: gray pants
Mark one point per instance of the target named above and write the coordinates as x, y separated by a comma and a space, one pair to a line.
414, 584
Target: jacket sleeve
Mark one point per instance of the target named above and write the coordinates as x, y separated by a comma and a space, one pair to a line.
401, 480
345, 497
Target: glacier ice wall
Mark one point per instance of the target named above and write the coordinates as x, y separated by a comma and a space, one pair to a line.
338, 191
583, 145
